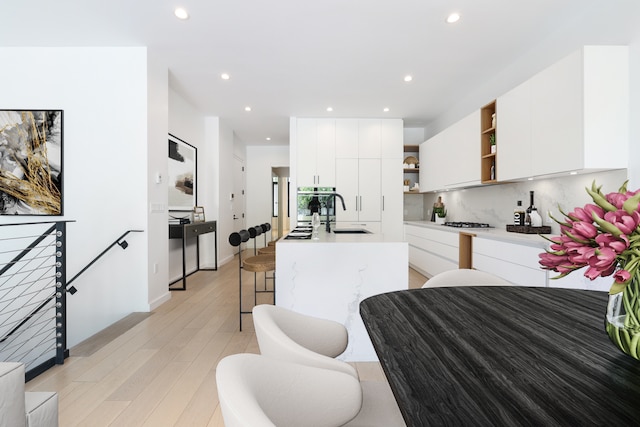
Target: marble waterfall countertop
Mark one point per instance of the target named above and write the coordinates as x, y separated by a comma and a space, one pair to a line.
501, 233
328, 278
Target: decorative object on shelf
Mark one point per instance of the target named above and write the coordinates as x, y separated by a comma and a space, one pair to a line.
604, 238
198, 214
182, 175
492, 141
411, 162
31, 162
493, 120
406, 185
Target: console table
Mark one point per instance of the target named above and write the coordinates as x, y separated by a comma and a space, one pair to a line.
502, 356
186, 231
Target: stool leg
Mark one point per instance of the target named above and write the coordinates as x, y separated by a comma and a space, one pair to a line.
240, 287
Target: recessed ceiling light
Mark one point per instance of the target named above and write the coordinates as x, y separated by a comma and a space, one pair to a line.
181, 13
408, 78
329, 109
454, 17
225, 76
386, 110
268, 139
247, 108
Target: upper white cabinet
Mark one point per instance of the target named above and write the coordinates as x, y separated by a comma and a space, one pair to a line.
369, 139
347, 138
514, 133
572, 116
451, 159
432, 154
463, 145
316, 151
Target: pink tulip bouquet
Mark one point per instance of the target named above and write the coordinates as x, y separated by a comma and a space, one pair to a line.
604, 239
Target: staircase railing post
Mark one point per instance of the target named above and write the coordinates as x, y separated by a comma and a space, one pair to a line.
61, 293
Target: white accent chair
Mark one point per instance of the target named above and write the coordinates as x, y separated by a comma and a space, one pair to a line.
17, 408
298, 338
294, 337
259, 391
464, 277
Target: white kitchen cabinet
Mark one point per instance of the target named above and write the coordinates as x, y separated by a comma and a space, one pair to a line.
431, 251
515, 262
316, 146
433, 155
457, 145
359, 182
392, 198
572, 116
369, 139
462, 142
346, 138
514, 133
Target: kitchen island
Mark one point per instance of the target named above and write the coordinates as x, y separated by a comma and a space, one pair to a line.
329, 277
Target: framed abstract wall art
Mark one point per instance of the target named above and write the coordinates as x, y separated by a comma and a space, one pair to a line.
182, 175
31, 162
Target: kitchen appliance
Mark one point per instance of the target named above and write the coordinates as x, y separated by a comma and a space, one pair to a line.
464, 224
315, 199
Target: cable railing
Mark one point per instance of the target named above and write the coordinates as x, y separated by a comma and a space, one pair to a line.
33, 289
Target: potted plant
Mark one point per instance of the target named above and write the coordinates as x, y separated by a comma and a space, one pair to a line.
441, 215
492, 142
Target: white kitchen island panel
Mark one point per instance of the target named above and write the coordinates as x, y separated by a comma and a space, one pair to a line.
329, 278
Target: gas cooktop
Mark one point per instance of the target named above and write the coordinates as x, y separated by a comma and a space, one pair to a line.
467, 224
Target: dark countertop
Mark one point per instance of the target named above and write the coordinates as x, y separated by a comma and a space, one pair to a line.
491, 356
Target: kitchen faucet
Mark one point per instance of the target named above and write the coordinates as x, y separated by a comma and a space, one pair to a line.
344, 208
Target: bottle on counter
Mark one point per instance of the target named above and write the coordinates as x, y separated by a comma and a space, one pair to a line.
518, 214
527, 217
535, 220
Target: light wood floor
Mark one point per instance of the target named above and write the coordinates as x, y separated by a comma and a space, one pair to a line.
161, 371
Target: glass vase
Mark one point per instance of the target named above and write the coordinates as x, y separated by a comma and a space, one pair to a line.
623, 318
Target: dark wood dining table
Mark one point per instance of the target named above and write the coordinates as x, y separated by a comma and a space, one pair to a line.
502, 356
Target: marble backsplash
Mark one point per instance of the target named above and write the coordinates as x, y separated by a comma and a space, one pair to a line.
494, 204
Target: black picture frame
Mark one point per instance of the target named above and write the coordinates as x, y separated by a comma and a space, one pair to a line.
182, 175
31, 162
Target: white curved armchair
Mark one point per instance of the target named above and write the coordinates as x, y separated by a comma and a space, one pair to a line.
294, 337
259, 391
464, 277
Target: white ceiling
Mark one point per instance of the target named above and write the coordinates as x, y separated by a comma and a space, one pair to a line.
297, 57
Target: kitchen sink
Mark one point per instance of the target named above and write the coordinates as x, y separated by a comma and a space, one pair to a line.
351, 231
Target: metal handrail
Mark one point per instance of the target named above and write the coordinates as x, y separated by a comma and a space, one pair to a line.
72, 290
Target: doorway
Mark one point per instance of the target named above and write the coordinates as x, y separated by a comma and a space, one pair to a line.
280, 201
237, 197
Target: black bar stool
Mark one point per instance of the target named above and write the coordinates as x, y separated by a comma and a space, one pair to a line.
256, 264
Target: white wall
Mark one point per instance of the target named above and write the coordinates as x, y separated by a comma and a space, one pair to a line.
103, 92
259, 163
226, 150
158, 240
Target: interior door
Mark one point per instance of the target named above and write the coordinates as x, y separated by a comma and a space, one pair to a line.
238, 199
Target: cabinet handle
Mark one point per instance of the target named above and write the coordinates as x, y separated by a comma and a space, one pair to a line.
382, 202
356, 203
361, 203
